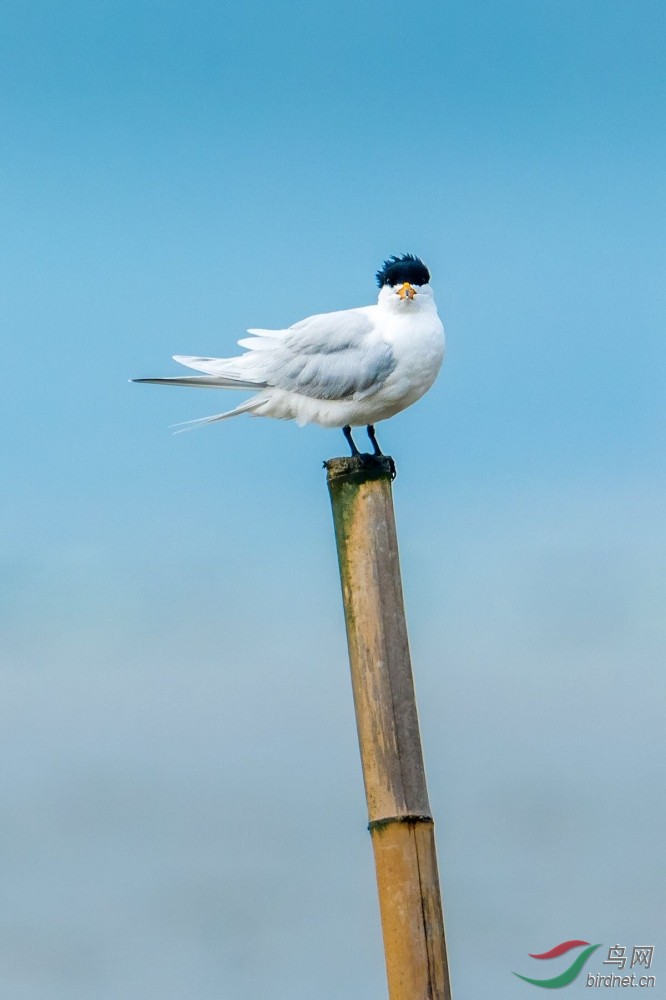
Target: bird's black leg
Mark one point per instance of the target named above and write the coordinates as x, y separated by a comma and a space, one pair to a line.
376, 450
350, 441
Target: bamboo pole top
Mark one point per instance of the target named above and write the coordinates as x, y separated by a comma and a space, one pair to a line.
360, 468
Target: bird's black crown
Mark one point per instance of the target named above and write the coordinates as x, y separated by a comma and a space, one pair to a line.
396, 270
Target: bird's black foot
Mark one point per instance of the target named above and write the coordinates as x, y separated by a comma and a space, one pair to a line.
350, 441
377, 457
376, 450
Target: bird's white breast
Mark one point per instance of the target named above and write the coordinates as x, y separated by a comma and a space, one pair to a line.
417, 342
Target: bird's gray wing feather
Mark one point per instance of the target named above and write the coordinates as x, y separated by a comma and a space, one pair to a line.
330, 356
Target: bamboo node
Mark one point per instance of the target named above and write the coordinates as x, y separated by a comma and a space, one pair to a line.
379, 824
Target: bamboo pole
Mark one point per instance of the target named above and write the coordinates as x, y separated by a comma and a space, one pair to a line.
400, 820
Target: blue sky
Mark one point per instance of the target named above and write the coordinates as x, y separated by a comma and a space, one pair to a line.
184, 802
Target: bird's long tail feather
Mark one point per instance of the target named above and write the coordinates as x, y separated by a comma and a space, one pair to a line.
247, 407
206, 382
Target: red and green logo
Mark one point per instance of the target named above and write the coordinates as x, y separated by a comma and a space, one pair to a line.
569, 974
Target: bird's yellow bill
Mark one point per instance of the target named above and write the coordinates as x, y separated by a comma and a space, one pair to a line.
407, 291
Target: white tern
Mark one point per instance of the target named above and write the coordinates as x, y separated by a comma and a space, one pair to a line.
341, 369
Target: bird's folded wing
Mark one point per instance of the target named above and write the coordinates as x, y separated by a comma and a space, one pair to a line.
329, 356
